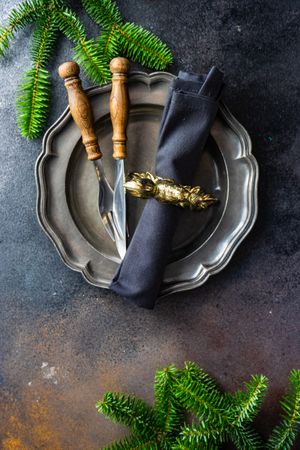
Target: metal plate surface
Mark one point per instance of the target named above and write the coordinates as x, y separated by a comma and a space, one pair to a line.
68, 189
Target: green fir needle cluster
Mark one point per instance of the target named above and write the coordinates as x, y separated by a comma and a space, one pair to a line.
51, 17
191, 412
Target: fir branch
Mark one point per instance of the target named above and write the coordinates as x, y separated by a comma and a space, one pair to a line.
5, 35
193, 372
220, 415
202, 446
108, 44
169, 412
131, 412
33, 99
134, 443
43, 41
70, 25
95, 68
33, 95
245, 438
180, 446
284, 435
144, 47
194, 398
86, 52
201, 436
24, 14
249, 403
104, 12
130, 39
197, 392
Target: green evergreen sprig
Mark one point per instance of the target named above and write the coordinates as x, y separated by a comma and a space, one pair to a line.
126, 38
215, 417
285, 433
221, 417
33, 98
21, 16
53, 16
152, 427
104, 12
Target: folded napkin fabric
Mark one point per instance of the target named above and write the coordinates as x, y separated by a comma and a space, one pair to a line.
188, 115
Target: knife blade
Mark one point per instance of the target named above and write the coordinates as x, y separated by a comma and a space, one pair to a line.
119, 109
82, 114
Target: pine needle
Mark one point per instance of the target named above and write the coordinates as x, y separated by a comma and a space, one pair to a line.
248, 403
104, 12
131, 412
5, 35
198, 393
86, 52
134, 443
33, 99
169, 412
24, 14
33, 95
245, 438
144, 47
284, 435
202, 435
128, 39
221, 417
108, 44
43, 40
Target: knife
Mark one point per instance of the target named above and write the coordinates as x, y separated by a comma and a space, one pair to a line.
119, 109
83, 116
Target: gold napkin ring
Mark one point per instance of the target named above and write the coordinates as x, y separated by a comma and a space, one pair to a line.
165, 190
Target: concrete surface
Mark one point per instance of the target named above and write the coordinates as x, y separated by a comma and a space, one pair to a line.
64, 343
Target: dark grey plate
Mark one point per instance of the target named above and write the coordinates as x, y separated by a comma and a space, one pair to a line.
68, 189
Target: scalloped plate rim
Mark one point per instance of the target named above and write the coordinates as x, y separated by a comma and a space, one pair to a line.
203, 272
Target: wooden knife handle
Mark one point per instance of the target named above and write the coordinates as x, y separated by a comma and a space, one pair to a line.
80, 108
119, 105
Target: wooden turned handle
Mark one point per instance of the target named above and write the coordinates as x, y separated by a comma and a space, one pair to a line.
80, 108
119, 105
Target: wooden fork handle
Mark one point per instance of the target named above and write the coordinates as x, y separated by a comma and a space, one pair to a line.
80, 108
119, 105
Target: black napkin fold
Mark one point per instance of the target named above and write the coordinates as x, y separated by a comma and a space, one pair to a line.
190, 110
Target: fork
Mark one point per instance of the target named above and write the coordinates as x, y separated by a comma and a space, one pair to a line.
82, 114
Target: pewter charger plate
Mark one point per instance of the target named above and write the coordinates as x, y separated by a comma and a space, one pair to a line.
68, 189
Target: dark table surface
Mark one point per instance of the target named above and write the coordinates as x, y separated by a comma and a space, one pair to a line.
63, 342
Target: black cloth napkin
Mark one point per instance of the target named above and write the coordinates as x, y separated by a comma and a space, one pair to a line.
190, 110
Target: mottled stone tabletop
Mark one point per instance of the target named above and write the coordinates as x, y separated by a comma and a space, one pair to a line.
63, 343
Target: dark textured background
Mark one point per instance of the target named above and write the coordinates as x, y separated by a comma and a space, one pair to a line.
64, 343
